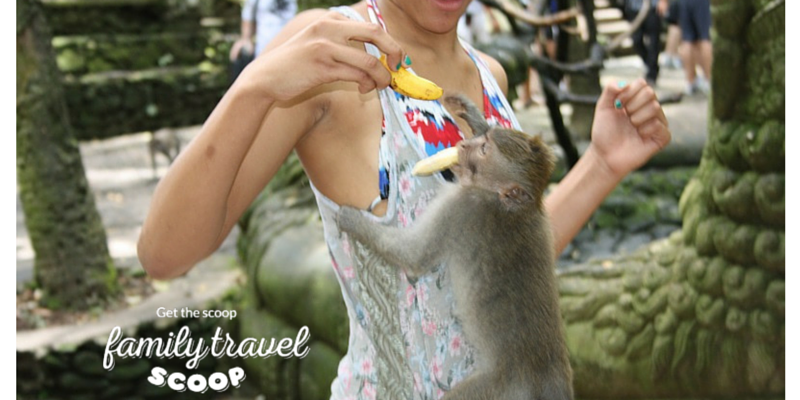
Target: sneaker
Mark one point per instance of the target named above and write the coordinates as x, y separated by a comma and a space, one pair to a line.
676, 63
690, 89
702, 85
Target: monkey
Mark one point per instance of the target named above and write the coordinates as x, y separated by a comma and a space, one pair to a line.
165, 142
491, 230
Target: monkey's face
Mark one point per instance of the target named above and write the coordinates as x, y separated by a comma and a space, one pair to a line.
507, 162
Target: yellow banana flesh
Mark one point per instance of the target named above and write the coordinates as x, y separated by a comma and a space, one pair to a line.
408, 84
437, 162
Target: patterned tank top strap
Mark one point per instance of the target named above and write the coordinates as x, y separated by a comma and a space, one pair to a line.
500, 111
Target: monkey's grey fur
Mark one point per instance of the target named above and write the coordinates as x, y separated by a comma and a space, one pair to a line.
165, 142
492, 232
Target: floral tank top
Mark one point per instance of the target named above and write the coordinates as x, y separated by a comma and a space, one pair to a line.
405, 342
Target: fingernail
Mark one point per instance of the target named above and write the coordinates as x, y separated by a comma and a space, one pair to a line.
621, 84
397, 68
408, 60
617, 104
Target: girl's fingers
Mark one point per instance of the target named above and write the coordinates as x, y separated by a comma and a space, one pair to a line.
346, 72
646, 112
365, 62
631, 90
373, 33
651, 129
342, 30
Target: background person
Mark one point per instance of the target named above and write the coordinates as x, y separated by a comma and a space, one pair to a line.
262, 20
694, 17
646, 39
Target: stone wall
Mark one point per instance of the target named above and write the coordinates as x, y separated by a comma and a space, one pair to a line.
138, 65
76, 372
141, 65
290, 284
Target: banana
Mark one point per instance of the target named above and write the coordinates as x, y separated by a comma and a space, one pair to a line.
437, 162
408, 84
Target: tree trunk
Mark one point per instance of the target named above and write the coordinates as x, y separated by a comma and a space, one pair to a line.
72, 263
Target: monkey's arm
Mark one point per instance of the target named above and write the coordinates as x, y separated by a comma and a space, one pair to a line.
409, 249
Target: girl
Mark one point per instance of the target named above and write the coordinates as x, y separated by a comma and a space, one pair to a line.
319, 89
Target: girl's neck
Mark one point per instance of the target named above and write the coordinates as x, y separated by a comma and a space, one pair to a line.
413, 37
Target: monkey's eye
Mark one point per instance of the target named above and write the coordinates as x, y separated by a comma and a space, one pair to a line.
483, 149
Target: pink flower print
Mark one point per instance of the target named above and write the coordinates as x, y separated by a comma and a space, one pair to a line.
402, 218
335, 265
419, 210
368, 391
429, 327
439, 393
417, 383
405, 184
455, 345
366, 367
436, 368
345, 374
410, 295
422, 292
349, 272
346, 248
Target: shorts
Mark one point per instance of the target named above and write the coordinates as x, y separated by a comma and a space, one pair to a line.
694, 17
672, 13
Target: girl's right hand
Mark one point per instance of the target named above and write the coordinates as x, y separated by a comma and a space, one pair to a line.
322, 53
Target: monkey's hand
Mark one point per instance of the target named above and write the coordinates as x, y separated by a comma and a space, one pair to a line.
348, 219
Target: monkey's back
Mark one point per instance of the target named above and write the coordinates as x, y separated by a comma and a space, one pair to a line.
505, 287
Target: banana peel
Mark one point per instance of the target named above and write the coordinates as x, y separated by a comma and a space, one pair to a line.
411, 85
437, 162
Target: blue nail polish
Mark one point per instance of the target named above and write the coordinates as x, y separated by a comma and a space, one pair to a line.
408, 60
617, 104
397, 68
621, 84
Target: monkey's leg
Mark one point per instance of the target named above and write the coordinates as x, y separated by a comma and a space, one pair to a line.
481, 386
152, 147
470, 113
408, 248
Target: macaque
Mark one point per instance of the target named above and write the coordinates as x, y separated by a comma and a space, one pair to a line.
165, 142
491, 230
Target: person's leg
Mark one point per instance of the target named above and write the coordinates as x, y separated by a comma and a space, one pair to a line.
704, 57
671, 50
688, 37
652, 27
638, 43
702, 17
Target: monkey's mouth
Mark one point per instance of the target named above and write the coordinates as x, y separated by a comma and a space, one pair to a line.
437, 162
463, 164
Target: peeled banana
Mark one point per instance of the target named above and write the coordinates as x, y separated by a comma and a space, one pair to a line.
437, 162
408, 84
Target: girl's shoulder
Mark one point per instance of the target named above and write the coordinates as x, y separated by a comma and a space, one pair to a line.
496, 69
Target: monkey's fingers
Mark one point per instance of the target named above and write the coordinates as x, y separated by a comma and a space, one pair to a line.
437, 162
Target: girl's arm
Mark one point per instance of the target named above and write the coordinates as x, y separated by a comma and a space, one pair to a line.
217, 176
629, 127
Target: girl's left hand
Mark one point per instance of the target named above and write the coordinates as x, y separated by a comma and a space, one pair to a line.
629, 126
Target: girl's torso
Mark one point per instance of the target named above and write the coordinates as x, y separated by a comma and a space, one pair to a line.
340, 152
405, 341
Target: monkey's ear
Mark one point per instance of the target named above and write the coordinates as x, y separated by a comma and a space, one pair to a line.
513, 196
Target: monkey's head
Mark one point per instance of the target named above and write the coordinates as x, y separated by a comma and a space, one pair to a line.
515, 165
